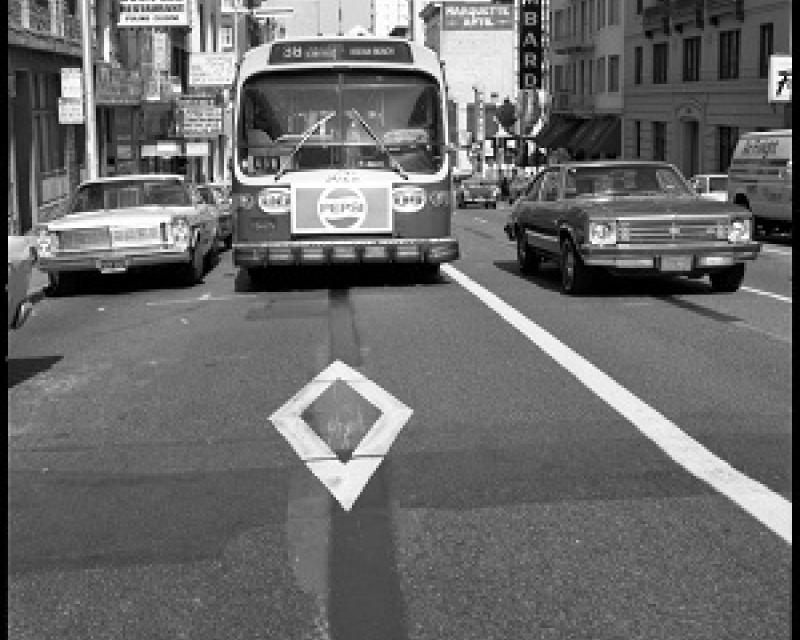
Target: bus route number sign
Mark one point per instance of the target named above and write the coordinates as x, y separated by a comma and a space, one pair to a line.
293, 52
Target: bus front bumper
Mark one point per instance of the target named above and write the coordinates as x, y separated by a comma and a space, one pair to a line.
350, 251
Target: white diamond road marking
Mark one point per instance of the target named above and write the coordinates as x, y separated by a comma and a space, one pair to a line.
347, 480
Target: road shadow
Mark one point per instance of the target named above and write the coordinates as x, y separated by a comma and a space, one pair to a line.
306, 278
21, 369
608, 285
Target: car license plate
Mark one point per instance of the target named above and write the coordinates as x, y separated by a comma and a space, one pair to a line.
676, 263
112, 265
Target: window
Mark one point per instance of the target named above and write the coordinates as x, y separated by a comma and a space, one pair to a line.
659, 141
638, 62
613, 12
691, 59
601, 75
729, 54
601, 14
582, 82
727, 142
637, 138
660, 62
613, 74
766, 48
589, 70
226, 38
559, 24
639, 7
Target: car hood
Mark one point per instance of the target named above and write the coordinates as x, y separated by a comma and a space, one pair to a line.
128, 217
636, 207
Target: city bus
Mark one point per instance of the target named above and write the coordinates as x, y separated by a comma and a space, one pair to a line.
340, 155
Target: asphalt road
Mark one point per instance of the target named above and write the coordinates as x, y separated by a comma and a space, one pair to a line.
614, 466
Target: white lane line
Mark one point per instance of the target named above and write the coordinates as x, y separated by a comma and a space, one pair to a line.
206, 297
770, 508
483, 220
768, 294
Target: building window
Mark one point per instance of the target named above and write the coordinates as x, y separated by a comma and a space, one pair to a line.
766, 48
637, 138
582, 81
583, 20
729, 55
590, 74
660, 62
613, 74
613, 12
691, 59
601, 14
639, 7
226, 38
591, 15
659, 141
638, 63
601, 75
559, 24
727, 142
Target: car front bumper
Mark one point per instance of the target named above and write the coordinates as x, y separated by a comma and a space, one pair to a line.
670, 257
94, 260
350, 251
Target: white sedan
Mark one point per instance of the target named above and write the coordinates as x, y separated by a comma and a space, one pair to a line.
21, 259
116, 224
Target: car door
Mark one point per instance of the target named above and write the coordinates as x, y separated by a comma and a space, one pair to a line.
542, 210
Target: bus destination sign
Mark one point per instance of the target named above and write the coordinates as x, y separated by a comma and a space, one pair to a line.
339, 51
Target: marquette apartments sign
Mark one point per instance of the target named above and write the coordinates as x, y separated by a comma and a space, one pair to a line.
530, 44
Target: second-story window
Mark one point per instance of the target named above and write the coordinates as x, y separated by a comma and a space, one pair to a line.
613, 74
601, 14
637, 138
729, 54
583, 20
226, 38
601, 75
638, 64
766, 48
559, 24
582, 81
660, 62
691, 59
659, 141
613, 12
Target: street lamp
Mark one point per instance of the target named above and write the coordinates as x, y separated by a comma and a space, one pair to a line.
88, 89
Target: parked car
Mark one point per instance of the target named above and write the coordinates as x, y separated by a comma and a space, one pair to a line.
477, 191
218, 196
629, 217
713, 186
116, 224
21, 260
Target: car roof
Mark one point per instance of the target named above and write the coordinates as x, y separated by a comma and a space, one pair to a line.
612, 163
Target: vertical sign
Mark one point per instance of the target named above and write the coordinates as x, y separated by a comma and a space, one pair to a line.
530, 44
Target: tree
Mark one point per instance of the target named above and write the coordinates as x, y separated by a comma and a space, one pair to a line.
507, 114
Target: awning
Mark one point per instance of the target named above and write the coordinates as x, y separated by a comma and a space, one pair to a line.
574, 143
557, 131
600, 137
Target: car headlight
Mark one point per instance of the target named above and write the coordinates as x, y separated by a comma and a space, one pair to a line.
740, 230
46, 242
181, 233
275, 200
603, 232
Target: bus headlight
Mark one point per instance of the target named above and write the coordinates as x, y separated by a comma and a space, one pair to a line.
47, 242
602, 232
408, 199
740, 230
275, 200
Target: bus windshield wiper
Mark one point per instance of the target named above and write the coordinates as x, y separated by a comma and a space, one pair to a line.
396, 166
306, 135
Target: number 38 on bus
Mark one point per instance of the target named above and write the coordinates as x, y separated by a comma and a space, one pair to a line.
340, 155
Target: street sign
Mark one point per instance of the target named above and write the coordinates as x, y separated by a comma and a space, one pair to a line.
153, 13
780, 78
200, 121
345, 480
197, 149
212, 69
70, 111
71, 82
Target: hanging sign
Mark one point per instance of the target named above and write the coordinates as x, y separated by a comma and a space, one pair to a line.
477, 16
531, 50
71, 82
70, 111
153, 13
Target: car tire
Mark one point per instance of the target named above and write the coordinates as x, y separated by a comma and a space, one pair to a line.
576, 278
60, 283
527, 258
727, 280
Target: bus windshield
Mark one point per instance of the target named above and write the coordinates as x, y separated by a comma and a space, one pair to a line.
354, 119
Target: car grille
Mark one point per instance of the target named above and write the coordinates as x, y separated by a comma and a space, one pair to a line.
670, 231
136, 235
85, 239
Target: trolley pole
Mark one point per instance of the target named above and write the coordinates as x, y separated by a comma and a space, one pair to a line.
88, 91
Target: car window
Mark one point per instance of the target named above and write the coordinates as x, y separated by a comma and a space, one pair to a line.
624, 180
718, 183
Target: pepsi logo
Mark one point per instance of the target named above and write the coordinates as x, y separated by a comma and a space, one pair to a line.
342, 208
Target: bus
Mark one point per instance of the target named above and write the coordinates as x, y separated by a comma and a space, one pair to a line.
340, 155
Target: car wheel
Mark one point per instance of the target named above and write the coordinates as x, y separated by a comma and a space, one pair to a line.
60, 283
727, 280
527, 258
576, 278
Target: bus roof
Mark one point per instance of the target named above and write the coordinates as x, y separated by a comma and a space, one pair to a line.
327, 52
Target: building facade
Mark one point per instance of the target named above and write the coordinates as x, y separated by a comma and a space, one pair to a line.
696, 78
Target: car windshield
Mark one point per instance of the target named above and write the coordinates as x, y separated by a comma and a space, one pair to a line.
718, 183
330, 119
125, 194
624, 180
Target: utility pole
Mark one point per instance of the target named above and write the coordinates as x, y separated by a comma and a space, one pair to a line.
88, 91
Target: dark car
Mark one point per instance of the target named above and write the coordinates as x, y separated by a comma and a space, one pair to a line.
477, 191
629, 217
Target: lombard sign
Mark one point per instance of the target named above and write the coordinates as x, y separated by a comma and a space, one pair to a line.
530, 44
477, 16
153, 13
